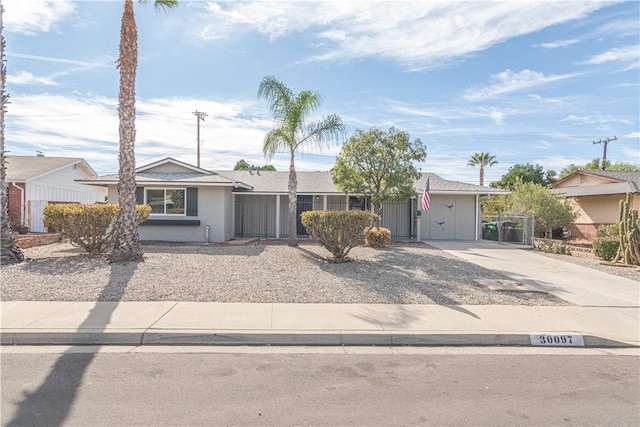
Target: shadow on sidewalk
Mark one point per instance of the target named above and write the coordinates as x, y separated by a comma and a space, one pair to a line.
52, 402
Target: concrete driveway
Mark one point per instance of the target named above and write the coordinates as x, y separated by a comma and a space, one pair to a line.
580, 285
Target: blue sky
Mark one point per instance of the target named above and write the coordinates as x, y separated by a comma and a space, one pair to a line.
529, 82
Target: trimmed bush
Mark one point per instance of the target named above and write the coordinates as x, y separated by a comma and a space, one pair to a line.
551, 246
377, 237
337, 231
91, 227
606, 248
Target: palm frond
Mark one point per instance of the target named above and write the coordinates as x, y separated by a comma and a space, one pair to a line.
278, 96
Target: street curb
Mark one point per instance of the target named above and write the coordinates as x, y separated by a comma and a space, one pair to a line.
288, 338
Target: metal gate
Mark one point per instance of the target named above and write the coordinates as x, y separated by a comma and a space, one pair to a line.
509, 228
304, 204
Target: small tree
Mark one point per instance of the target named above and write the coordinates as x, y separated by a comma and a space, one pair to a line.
242, 165
550, 210
379, 165
337, 231
293, 131
520, 173
91, 227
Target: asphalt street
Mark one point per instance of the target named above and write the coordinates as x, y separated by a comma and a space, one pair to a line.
118, 387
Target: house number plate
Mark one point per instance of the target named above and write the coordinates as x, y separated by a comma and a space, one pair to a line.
557, 339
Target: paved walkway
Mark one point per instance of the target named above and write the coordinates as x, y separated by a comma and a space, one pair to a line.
606, 314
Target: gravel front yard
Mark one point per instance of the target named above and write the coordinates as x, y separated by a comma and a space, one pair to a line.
264, 273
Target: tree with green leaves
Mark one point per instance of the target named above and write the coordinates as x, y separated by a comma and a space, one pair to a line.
551, 210
379, 165
597, 165
10, 252
483, 160
127, 241
242, 165
292, 132
520, 173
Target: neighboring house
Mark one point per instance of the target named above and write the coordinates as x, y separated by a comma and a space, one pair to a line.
198, 205
596, 196
35, 181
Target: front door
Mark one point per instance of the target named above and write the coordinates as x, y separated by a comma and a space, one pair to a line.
305, 203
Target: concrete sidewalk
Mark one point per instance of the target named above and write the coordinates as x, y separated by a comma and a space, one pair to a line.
186, 323
606, 314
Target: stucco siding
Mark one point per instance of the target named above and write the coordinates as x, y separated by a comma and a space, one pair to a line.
600, 209
451, 217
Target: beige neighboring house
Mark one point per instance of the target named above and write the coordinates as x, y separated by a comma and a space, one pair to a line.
35, 181
596, 195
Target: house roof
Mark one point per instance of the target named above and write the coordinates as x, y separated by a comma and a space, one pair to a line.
27, 168
320, 182
270, 182
170, 178
617, 183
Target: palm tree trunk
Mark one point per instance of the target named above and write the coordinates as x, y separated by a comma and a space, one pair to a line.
10, 252
127, 242
481, 175
293, 203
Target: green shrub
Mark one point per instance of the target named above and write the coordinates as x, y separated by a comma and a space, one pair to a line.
606, 248
551, 246
377, 237
92, 227
337, 231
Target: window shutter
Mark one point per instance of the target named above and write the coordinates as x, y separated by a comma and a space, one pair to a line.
192, 201
140, 195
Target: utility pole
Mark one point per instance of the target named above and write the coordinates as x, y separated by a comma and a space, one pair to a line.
199, 116
605, 143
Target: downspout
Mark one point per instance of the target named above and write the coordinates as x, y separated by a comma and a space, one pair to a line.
22, 203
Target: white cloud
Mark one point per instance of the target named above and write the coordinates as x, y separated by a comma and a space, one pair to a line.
509, 81
539, 98
34, 16
629, 55
27, 78
558, 43
632, 135
497, 116
418, 35
88, 126
595, 119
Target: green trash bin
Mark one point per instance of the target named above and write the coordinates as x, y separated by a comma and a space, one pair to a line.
490, 231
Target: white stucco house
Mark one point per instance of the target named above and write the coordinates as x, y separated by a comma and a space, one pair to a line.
36, 181
191, 204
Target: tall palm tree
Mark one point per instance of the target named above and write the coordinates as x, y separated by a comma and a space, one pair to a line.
10, 252
484, 160
127, 241
291, 111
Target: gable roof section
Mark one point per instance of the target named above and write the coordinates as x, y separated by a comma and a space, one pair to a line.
192, 176
174, 162
619, 183
28, 168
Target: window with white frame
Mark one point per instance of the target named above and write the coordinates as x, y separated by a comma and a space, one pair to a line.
167, 201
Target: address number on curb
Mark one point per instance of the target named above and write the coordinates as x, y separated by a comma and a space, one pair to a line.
555, 339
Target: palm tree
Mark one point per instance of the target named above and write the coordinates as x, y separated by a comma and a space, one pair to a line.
10, 252
127, 241
484, 160
291, 111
